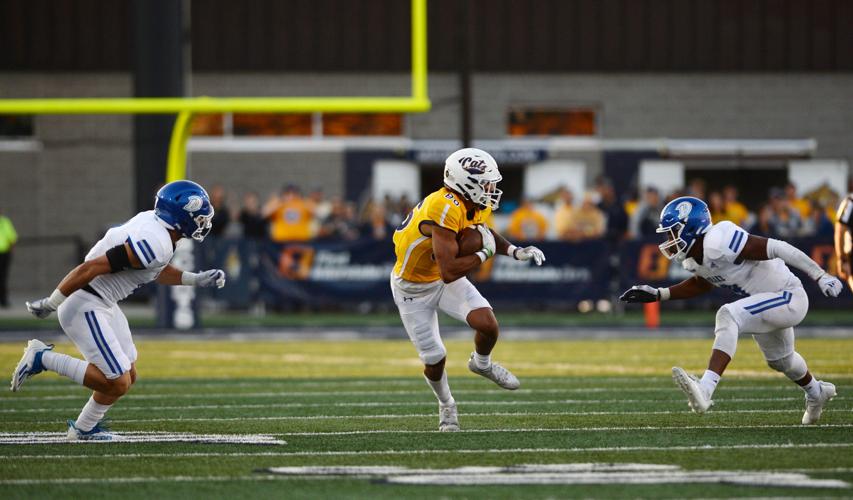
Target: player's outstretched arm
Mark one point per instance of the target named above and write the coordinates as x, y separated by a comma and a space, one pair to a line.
171, 275
758, 248
116, 259
445, 248
504, 247
691, 287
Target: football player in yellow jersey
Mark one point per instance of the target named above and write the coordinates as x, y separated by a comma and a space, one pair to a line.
429, 275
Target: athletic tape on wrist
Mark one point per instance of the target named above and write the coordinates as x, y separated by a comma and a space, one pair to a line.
663, 294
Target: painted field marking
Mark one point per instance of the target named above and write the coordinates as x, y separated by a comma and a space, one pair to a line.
143, 437
379, 404
136, 479
571, 429
437, 451
424, 415
567, 474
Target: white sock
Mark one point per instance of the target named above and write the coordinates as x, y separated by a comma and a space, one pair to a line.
482, 360
812, 388
441, 389
65, 365
709, 382
92, 413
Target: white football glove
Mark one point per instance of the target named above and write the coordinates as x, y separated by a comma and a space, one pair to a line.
830, 285
40, 308
528, 253
488, 240
204, 279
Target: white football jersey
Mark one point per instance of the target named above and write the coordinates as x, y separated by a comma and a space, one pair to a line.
721, 267
149, 238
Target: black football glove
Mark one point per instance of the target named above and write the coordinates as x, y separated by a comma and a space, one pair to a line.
640, 293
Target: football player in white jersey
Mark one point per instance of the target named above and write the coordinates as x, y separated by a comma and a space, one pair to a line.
128, 256
724, 255
843, 239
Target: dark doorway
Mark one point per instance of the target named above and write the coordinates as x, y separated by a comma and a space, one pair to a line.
753, 183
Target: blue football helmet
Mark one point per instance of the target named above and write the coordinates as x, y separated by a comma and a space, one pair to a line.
683, 220
185, 206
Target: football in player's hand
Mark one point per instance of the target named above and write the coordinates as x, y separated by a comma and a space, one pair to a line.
469, 240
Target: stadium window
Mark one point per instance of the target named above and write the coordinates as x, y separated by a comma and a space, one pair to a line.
208, 124
362, 124
272, 124
16, 126
551, 122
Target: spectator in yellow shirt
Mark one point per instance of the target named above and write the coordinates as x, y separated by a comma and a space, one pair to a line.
733, 209
801, 205
8, 238
291, 216
527, 224
563, 214
586, 222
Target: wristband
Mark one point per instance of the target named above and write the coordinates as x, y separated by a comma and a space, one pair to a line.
482, 255
56, 298
188, 278
663, 294
511, 251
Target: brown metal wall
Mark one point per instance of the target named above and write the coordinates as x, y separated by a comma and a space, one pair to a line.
509, 35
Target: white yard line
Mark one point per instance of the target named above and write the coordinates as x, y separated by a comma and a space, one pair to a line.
599, 449
379, 404
379, 392
431, 415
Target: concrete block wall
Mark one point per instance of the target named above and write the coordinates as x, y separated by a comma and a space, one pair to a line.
81, 179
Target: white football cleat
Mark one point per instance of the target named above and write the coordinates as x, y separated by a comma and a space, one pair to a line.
496, 373
448, 419
99, 432
30, 363
814, 407
697, 398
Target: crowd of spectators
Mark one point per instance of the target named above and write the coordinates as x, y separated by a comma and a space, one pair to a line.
292, 216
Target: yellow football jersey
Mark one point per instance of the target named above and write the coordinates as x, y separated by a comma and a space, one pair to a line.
444, 208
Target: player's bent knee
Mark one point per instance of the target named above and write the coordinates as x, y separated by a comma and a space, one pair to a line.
434, 356
484, 321
793, 366
119, 386
726, 331
132, 374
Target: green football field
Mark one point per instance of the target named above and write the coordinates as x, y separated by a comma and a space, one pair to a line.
594, 419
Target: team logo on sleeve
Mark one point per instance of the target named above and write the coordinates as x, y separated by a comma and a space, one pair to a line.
684, 209
194, 204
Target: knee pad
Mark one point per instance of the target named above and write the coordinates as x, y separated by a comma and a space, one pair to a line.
433, 355
793, 366
726, 331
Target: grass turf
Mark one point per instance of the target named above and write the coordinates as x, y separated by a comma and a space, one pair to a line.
365, 403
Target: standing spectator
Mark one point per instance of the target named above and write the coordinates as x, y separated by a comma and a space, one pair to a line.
563, 213
221, 215
586, 222
817, 223
696, 188
526, 223
614, 212
762, 226
716, 207
646, 217
254, 224
320, 207
377, 225
341, 224
735, 211
785, 220
801, 205
8, 238
290, 216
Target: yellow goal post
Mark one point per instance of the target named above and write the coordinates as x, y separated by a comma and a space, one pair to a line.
186, 107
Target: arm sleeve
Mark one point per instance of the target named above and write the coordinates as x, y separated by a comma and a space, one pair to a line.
794, 257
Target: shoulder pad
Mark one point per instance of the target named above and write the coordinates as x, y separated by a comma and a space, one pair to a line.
724, 240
